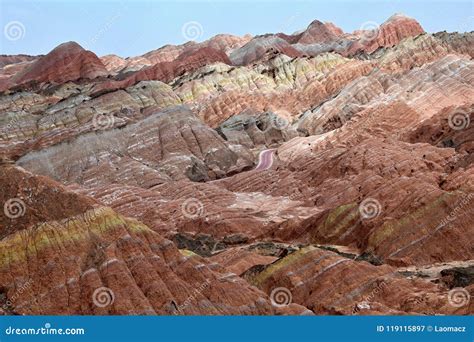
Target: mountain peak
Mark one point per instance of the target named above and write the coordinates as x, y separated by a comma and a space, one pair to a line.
66, 62
399, 15
71, 46
318, 32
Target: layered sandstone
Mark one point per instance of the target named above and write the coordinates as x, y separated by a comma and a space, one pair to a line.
67, 62
91, 260
328, 170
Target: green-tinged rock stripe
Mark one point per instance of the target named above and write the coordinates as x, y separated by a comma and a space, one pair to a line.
187, 253
18, 246
431, 213
338, 221
280, 264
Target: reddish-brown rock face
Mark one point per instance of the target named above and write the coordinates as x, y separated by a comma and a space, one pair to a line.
326, 37
67, 62
314, 173
81, 259
222, 42
318, 32
166, 71
390, 33
116, 64
328, 283
15, 59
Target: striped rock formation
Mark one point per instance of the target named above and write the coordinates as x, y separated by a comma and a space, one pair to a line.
316, 173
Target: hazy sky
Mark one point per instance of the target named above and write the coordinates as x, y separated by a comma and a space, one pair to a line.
130, 28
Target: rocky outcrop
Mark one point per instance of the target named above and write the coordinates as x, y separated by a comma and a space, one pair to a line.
328, 283
222, 42
316, 173
258, 47
390, 33
115, 64
29, 200
173, 144
249, 130
95, 261
318, 32
326, 37
67, 62
166, 71
15, 59
420, 88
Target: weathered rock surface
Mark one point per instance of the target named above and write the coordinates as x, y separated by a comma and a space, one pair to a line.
203, 178
173, 144
390, 33
94, 261
327, 283
265, 129
67, 62
222, 42
326, 37
166, 71
15, 59
116, 64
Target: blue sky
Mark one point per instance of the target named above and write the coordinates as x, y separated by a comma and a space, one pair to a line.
130, 28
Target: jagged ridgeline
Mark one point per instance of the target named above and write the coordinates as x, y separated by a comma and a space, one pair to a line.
322, 172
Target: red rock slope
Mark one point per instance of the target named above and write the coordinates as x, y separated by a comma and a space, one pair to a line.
139, 192
67, 62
